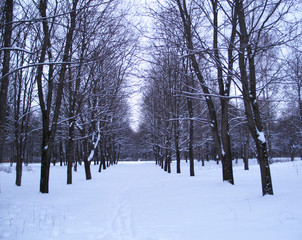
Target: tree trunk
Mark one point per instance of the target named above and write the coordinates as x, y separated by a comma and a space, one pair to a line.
118, 153
177, 151
49, 135
18, 171
191, 136
155, 154
45, 161
189, 41
61, 154
191, 150
86, 162
226, 144
161, 158
250, 102
5, 71
87, 169
79, 152
103, 157
168, 153
70, 151
226, 156
292, 150
18, 163
96, 156
18, 129
166, 163
103, 160
246, 148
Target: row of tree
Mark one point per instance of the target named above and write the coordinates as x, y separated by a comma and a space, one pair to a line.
64, 65
221, 73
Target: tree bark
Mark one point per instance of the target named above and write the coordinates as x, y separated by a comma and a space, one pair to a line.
49, 131
224, 91
5, 72
86, 162
18, 161
74, 107
191, 136
250, 101
103, 153
70, 151
177, 150
189, 42
246, 148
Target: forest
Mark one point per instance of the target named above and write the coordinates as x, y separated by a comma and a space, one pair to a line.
219, 80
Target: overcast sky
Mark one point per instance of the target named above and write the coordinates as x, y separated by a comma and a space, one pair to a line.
142, 23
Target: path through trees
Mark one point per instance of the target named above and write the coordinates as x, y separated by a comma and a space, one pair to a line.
215, 75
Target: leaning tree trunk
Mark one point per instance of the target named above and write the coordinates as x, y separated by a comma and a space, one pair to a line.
250, 102
210, 104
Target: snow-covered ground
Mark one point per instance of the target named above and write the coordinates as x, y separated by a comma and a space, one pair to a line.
140, 201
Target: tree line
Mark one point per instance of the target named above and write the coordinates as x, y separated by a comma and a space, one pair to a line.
223, 73
223, 82
64, 65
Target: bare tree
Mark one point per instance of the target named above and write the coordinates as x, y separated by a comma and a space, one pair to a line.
224, 151
50, 127
23, 88
250, 95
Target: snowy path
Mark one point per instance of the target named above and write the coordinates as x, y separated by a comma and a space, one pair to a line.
138, 201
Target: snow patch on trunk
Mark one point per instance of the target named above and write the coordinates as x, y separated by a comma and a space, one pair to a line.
261, 136
90, 157
222, 150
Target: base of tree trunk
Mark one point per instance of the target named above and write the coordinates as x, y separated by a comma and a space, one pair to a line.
227, 170
87, 170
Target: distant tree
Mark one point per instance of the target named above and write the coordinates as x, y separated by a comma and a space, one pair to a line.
294, 76
293, 89
22, 98
288, 136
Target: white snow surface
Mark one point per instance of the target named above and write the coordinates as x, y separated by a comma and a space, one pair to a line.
139, 201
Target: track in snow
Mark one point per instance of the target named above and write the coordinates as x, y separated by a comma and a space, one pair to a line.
139, 201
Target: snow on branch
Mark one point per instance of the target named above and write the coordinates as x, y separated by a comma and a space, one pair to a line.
199, 94
16, 49
35, 65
